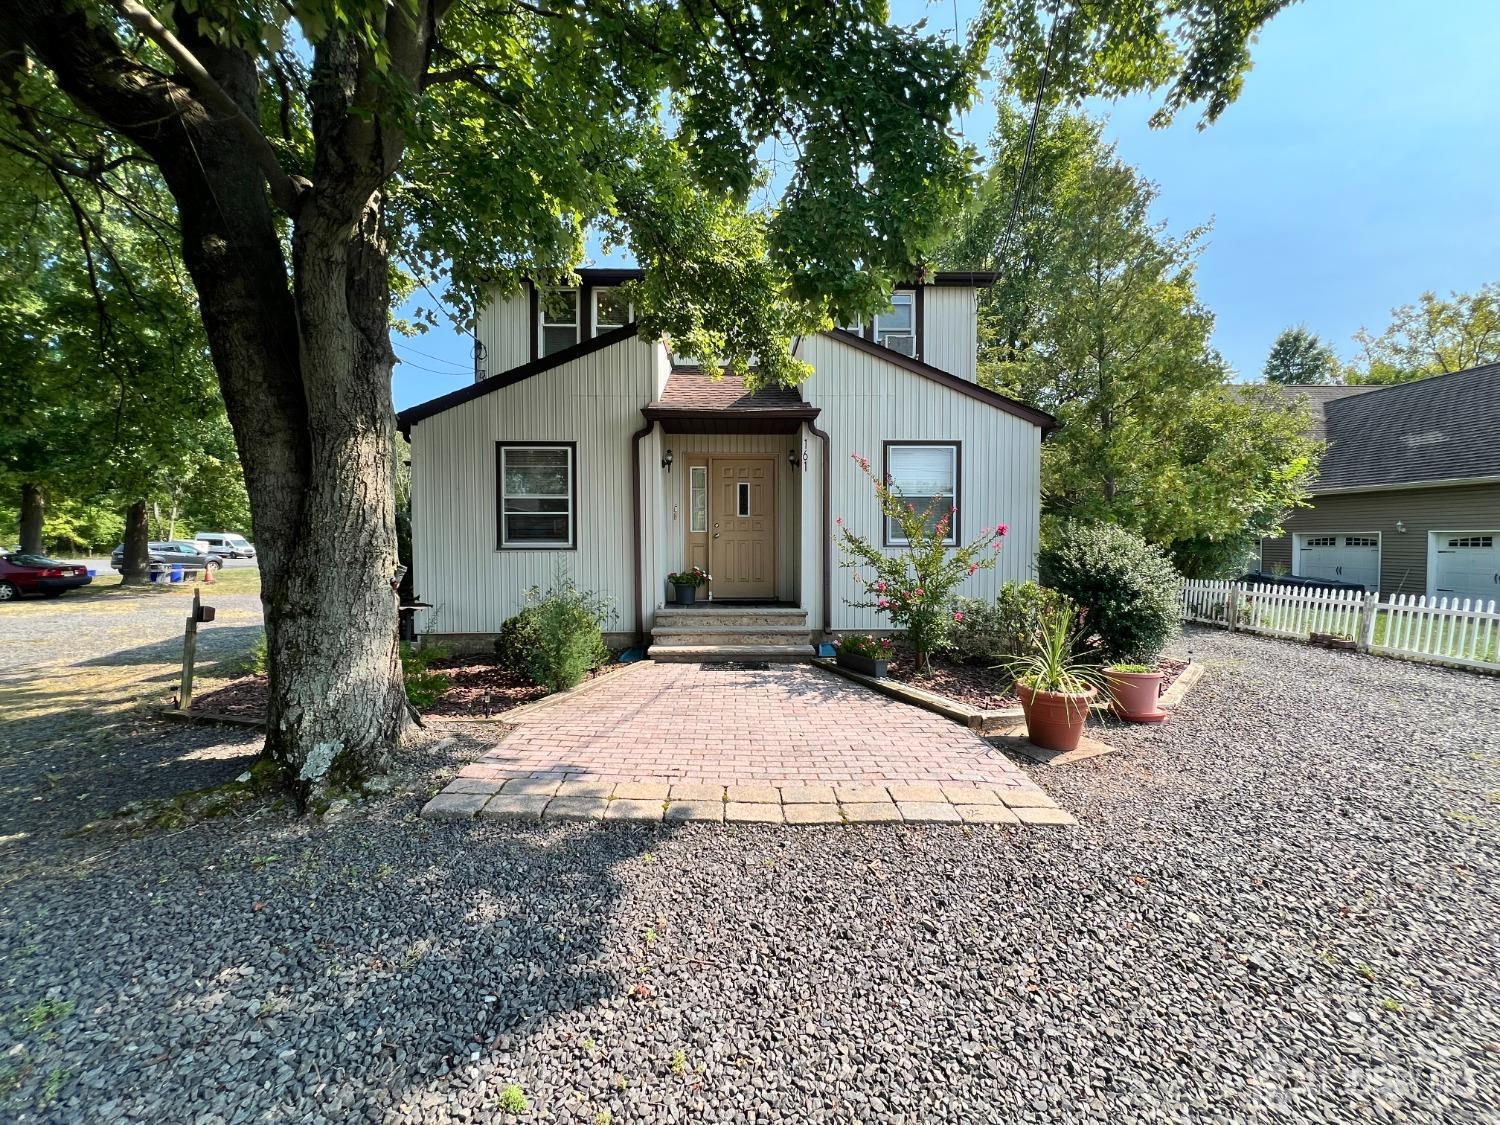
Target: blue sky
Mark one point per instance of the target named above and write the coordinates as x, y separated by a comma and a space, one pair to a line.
1360, 167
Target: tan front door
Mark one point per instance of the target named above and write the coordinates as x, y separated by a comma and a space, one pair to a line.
742, 526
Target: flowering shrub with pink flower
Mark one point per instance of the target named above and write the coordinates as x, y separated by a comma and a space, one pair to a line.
914, 587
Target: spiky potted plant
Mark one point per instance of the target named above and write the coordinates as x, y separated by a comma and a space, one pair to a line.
1055, 689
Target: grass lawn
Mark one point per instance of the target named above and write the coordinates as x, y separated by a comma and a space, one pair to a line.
239, 580
1442, 635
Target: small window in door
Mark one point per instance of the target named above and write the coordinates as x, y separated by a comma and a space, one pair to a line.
698, 498
1321, 541
1361, 541
1482, 542
742, 498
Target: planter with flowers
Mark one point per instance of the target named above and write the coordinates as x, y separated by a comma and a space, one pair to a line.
914, 588
860, 652
685, 584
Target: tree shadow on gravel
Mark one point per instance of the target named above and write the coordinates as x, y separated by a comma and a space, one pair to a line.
376, 967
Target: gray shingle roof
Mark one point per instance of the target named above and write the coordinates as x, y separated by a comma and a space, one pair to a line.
1446, 427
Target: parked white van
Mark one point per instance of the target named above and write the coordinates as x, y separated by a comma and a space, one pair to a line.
225, 544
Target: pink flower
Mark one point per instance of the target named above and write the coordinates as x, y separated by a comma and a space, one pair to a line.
880, 585
1001, 530
958, 615
997, 544
882, 604
973, 569
839, 521
911, 508
919, 591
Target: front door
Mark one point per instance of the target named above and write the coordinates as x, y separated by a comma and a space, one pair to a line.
742, 527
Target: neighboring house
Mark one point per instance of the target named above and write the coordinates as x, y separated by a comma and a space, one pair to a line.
583, 448
1407, 498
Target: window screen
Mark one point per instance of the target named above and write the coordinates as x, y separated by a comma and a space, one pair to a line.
927, 478
896, 328
536, 496
611, 310
558, 310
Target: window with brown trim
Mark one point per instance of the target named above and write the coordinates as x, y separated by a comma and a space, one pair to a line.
926, 474
896, 328
557, 314
537, 495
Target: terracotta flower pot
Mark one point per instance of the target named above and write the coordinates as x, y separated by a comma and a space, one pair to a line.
1133, 695
1054, 721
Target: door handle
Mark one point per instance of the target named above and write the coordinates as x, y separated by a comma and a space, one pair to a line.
716, 535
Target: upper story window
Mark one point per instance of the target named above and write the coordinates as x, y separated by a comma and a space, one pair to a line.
557, 312
896, 328
611, 310
926, 475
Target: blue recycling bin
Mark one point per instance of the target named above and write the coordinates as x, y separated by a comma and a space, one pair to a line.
93, 573
176, 573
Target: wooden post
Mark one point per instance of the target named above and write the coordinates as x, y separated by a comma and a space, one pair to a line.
189, 652
1233, 608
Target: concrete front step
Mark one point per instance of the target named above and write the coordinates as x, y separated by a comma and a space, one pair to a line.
709, 616
723, 654
731, 635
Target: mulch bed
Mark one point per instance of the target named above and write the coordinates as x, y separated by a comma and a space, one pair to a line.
979, 685
481, 688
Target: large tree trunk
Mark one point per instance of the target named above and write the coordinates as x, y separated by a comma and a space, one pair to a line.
33, 512
136, 565
306, 381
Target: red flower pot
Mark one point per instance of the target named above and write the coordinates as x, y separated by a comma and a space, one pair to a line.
1054, 720
1133, 695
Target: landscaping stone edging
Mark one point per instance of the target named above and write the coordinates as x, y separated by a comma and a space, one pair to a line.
768, 802
981, 722
986, 722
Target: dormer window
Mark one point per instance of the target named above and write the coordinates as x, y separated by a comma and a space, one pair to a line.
896, 328
611, 310
557, 312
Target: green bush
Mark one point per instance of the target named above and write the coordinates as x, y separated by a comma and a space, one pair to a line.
992, 632
1130, 595
519, 636
424, 687
569, 638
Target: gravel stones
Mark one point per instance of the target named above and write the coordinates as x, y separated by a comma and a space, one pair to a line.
1281, 906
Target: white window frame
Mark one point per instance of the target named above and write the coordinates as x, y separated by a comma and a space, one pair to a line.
889, 535
594, 309
542, 323
571, 541
908, 298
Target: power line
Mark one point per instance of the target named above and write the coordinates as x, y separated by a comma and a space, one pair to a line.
429, 355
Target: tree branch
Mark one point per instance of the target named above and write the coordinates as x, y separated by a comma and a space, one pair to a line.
286, 191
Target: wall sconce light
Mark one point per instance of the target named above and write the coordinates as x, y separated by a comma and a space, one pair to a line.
1401, 527
666, 462
791, 459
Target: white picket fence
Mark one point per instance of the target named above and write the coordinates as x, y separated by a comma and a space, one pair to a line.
1461, 632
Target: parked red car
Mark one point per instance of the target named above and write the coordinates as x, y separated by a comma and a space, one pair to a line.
34, 574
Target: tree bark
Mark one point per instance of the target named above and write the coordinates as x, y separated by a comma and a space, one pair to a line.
136, 565
33, 513
303, 359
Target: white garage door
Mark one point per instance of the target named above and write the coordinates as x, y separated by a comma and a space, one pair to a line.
1466, 564
1340, 558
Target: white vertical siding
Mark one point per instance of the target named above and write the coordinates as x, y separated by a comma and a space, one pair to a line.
950, 329
866, 401
505, 331
594, 401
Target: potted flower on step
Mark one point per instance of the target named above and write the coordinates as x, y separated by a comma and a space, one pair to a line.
1133, 692
860, 652
1055, 690
686, 582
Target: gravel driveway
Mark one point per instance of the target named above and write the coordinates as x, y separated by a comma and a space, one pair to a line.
1283, 905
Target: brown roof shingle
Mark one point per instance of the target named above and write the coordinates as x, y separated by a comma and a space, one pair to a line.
697, 390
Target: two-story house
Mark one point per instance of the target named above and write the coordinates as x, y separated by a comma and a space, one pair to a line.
584, 447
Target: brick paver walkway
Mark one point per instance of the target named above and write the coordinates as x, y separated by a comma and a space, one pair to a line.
731, 736
707, 722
